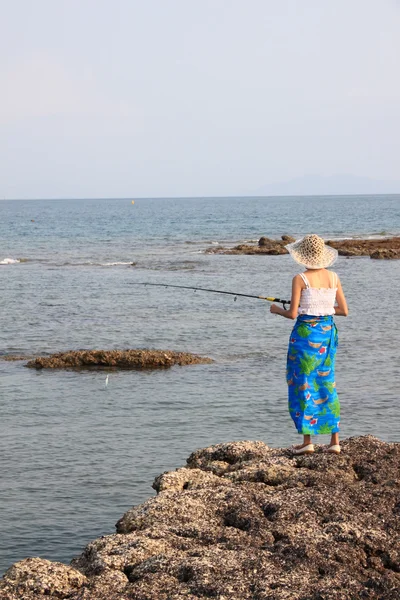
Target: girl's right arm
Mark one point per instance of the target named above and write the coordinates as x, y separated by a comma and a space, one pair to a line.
341, 308
297, 286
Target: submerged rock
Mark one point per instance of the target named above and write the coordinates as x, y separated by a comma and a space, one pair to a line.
246, 522
118, 359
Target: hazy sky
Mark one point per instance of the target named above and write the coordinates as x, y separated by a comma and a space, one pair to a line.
133, 98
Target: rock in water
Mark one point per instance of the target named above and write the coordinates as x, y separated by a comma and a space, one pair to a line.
386, 253
387, 248
118, 359
246, 522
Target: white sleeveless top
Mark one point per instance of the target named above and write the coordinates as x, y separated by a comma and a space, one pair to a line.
318, 301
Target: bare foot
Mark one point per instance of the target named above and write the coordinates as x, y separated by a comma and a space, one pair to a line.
303, 445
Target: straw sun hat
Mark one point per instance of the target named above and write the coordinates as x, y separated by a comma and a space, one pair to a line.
312, 252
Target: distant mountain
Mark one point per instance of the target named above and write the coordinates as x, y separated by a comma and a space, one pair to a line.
335, 185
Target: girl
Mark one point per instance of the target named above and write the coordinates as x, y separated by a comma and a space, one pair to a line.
317, 295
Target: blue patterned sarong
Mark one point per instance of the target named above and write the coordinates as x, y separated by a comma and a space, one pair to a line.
313, 401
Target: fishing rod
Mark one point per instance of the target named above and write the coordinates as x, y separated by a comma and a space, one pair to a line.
186, 287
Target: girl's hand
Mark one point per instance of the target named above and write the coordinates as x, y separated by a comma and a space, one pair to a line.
275, 309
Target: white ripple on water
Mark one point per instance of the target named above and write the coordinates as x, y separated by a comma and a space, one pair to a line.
9, 261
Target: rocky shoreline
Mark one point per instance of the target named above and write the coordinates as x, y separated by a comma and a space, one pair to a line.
383, 248
242, 521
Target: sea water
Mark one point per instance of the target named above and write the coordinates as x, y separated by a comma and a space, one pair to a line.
77, 453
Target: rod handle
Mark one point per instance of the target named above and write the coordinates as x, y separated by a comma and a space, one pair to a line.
271, 299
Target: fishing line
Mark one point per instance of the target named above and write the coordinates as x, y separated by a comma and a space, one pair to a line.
235, 294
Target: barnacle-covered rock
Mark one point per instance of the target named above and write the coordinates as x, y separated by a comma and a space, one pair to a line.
38, 578
242, 521
116, 359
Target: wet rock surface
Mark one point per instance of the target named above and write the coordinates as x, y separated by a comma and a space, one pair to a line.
116, 359
384, 248
246, 522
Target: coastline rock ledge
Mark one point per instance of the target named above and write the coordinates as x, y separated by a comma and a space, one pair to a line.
381, 248
242, 521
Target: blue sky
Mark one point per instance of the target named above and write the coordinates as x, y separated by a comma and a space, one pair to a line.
136, 98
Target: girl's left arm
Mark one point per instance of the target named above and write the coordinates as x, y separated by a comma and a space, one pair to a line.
297, 286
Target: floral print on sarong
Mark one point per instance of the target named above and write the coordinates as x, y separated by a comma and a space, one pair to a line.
313, 401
